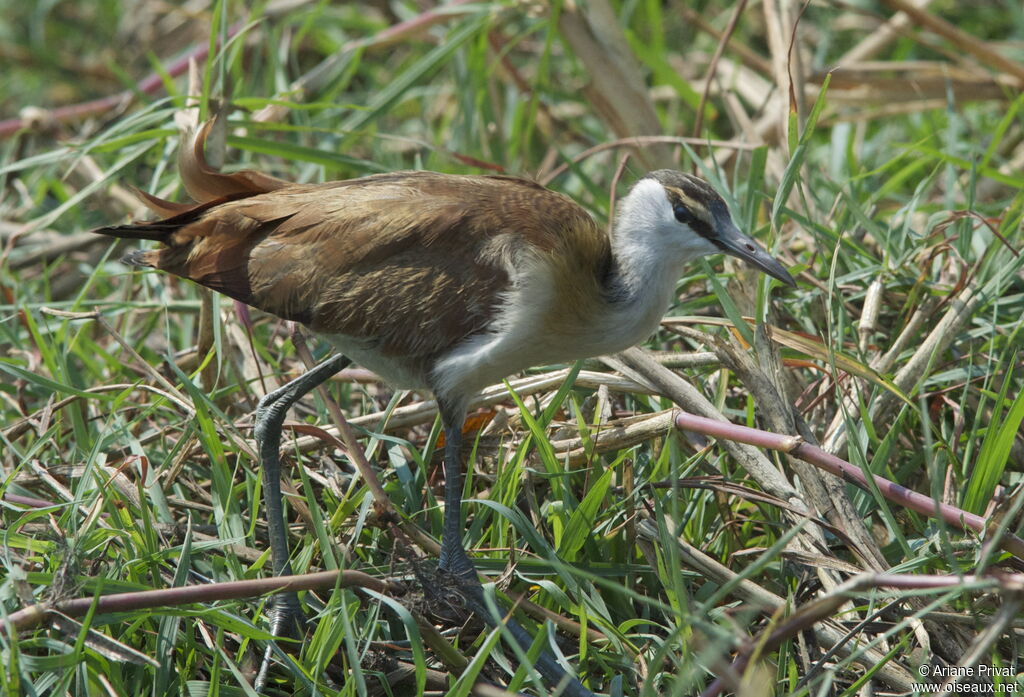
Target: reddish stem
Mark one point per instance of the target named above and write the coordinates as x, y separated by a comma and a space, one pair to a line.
150, 84
925, 505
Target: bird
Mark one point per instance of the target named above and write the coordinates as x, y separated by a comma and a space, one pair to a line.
439, 282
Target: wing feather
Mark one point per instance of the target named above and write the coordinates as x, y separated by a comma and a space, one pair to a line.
411, 263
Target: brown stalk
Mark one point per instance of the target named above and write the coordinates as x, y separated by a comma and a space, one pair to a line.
770, 604
750, 58
822, 609
723, 40
564, 624
964, 41
925, 505
617, 89
35, 615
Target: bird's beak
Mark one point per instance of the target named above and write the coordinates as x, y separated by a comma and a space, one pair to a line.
731, 241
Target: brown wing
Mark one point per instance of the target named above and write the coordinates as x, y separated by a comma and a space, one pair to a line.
413, 262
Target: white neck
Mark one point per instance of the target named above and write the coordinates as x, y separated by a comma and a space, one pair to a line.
648, 255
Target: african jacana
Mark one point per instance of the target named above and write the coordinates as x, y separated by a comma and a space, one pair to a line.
436, 281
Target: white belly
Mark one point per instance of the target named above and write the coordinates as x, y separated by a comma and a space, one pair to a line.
398, 372
524, 336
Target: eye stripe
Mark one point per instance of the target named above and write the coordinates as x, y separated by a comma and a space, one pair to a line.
703, 229
696, 204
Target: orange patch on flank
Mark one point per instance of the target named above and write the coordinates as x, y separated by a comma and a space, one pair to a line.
473, 424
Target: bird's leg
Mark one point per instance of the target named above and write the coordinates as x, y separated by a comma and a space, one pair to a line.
456, 562
286, 615
453, 559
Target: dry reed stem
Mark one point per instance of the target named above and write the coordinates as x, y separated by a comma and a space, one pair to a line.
35, 615
961, 39
961, 309
617, 89
686, 396
878, 40
920, 503
767, 603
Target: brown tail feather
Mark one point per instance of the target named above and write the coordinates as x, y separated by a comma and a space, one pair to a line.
162, 231
207, 185
157, 231
158, 205
204, 183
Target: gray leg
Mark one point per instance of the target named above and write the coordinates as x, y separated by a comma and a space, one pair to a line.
286, 615
455, 561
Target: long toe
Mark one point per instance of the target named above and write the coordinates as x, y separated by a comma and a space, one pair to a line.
557, 679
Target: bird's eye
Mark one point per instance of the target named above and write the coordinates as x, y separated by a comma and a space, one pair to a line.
683, 214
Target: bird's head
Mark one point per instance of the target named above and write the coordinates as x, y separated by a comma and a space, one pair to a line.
686, 215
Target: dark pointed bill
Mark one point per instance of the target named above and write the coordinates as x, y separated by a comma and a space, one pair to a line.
733, 242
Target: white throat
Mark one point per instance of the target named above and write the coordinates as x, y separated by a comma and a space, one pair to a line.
650, 248
639, 247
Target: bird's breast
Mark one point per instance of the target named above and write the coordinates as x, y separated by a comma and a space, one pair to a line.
547, 316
